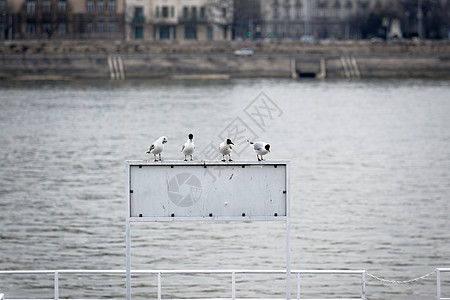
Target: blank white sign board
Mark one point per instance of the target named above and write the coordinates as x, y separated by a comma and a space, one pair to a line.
207, 190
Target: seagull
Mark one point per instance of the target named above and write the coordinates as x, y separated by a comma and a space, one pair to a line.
225, 149
188, 147
261, 148
157, 147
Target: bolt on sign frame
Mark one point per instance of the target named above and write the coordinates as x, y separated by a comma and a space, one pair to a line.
171, 191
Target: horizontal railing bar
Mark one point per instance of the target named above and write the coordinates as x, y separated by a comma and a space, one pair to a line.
75, 271
443, 269
199, 299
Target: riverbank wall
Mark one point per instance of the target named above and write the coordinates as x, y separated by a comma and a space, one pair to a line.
48, 60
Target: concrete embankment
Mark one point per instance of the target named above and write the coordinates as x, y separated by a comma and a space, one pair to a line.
119, 60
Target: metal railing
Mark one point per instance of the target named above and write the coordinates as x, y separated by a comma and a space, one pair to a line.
233, 273
438, 282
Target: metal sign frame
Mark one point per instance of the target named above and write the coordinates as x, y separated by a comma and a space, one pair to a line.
285, 217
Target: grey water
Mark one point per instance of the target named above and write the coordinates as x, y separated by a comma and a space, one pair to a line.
370, 185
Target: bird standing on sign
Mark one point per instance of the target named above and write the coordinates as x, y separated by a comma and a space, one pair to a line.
188, 147
225, 149
157, 147
261, 148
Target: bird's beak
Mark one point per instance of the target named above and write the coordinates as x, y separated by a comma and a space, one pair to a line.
232, 143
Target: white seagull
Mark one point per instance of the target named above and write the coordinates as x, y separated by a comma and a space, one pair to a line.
225, 149
157, 147
188, 147
261, 148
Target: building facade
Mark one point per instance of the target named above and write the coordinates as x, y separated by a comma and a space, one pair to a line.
62, 19
321, 19
179, 19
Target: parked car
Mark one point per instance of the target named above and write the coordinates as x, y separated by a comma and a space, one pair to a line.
243, 52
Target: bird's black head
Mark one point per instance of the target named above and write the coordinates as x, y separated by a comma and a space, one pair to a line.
229, 142
267, 147
191, 136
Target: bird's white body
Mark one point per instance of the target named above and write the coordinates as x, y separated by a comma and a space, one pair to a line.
260, 148
224, 148
188, 148
157, 147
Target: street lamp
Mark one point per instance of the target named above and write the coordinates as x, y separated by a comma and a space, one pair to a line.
419, 19
385, 24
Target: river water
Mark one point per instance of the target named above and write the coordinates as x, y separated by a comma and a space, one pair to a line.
370, 184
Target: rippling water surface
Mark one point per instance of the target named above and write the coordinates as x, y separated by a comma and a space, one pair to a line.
370, 183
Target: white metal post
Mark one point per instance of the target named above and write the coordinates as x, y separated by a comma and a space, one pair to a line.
56, 285
363, 285
159, 286
438, 284
288, 233
233, 285
128, 236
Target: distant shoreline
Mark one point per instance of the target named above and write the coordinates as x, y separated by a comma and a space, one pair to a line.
30, 60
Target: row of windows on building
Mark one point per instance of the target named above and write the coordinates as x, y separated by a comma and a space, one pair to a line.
46, 6
91, 27
170, 32
62, 6
169, 12
315, 12
101, 6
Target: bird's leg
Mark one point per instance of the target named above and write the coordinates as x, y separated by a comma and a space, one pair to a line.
191, 157
257, 156
262, 158
154, 155
223, 157
185, 159
160, 157
229, 157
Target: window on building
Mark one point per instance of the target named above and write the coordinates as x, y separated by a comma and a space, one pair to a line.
157, 12
165, 12
172, 11
209, 33
46, 28
90, 27
138, 32
62, 5
101, 26
225, 32
286, 12
61, 28
112, 26
31, 28
90, 5
46, 6
224, 12
100, 6
138, 14
298, 12
275, 12
190, 32
31, 6
202, 12
112, 6
337, 12
2, 7
164, 32
194, 13
185, 12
